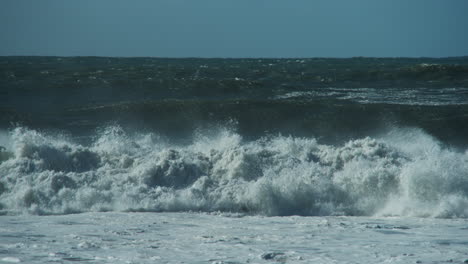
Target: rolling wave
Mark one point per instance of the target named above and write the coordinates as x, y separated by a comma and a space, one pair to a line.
403, 172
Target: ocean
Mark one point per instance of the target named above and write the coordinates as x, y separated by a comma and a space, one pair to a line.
304, 160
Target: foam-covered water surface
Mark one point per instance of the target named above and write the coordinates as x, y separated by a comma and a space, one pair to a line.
402, 172
229, 238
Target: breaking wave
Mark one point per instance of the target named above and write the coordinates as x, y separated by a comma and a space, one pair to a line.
404, 172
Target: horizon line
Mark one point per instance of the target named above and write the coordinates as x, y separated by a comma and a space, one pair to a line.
247, 57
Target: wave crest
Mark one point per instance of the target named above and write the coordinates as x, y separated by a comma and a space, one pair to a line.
405, 172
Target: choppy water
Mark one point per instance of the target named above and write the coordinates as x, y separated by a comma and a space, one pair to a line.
362, 136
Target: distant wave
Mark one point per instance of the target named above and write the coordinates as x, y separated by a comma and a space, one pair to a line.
404, 172
395, 95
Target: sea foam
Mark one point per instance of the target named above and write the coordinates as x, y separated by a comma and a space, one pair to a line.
405, 172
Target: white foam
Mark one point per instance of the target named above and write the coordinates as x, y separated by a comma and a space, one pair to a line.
405, 172
11, 260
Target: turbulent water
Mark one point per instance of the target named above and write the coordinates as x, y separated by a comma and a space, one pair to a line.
360, 136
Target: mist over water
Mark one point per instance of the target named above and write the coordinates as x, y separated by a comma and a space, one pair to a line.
404, 172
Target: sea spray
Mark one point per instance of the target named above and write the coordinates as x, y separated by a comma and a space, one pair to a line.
220, 171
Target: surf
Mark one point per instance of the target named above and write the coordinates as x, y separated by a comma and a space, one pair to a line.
403, 172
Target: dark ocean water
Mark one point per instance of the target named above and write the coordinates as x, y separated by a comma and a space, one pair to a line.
332, 99
270, 136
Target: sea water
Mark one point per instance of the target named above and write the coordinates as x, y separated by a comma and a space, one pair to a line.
152, 160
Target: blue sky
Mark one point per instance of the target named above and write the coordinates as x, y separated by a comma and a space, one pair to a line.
228, 28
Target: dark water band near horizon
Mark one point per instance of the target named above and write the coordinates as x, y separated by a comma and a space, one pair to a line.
312, 136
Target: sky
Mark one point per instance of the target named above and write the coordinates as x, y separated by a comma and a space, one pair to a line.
234, 28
